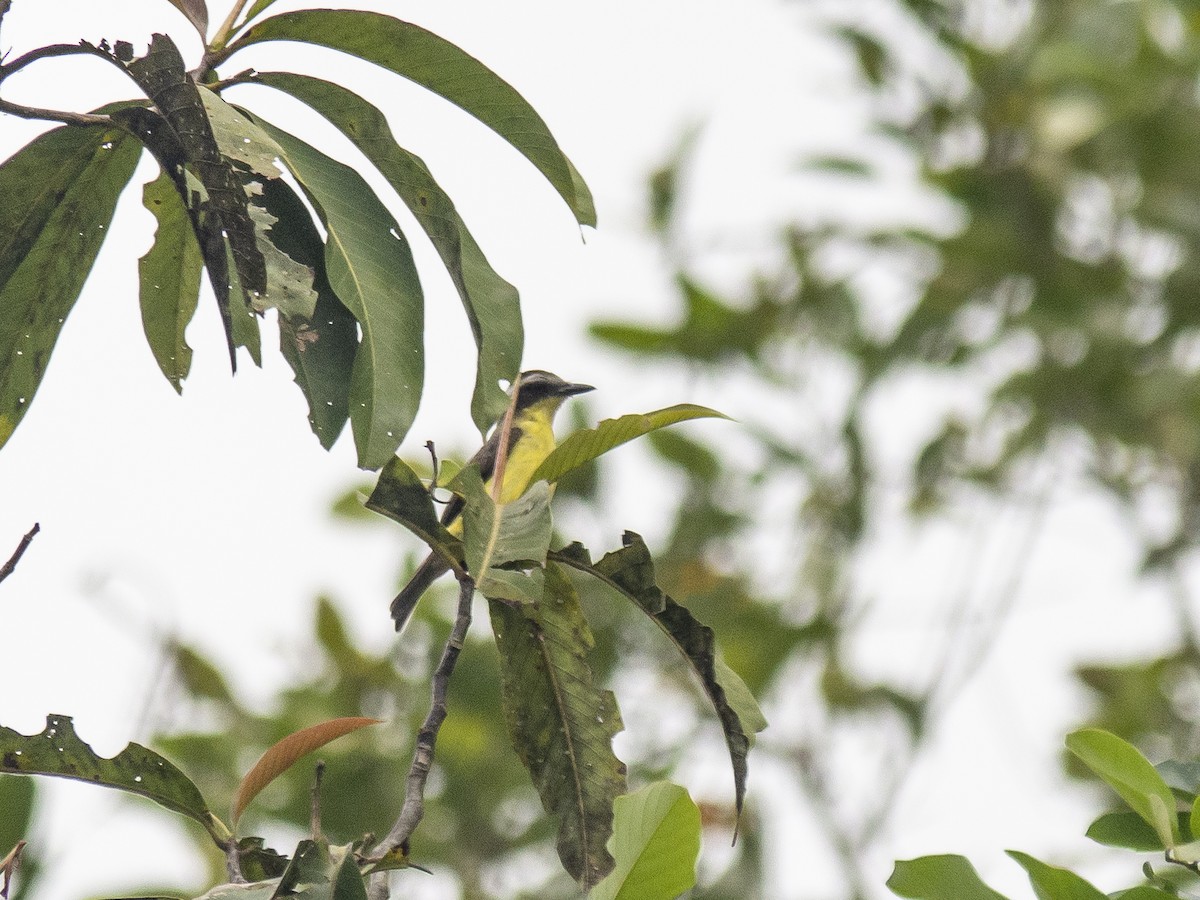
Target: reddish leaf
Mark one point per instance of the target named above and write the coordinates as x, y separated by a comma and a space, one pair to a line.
282, 755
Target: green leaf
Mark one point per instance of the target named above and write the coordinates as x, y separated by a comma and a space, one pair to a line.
258, 7
348, 883
561, 723
170, 280
195, 12
320, 348
1128, 830
500, 540
1053, 883
59, 193
1123, 768
400, 495
289, 283
58, 751
630, 571
370, 267
182, 138
492, 304
655, 842
16, 799
434, 63
583, 446
939, 878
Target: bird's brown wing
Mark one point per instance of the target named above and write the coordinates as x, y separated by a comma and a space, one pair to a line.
485, 458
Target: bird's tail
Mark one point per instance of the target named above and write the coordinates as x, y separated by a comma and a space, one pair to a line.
406, 601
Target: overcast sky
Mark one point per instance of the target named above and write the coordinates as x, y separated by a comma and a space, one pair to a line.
207, 513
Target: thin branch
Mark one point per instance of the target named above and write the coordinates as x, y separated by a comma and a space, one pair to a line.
48, 52
314, 812
502, 447
53, 115
233, 862
414, 799
8, 567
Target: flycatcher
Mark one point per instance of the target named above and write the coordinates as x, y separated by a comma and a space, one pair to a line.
530, 441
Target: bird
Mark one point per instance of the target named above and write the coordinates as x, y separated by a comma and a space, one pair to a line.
530, 441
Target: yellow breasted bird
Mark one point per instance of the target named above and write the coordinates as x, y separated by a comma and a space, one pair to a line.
530, 441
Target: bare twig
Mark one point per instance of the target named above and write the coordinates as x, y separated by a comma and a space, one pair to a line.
502, 447
233, 862
8, 567
414, 798
53, 115
48, 52
314, 812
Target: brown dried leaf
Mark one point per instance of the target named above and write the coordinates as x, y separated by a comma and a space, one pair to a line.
282, 755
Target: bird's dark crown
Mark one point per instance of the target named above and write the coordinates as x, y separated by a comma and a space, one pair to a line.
538, 385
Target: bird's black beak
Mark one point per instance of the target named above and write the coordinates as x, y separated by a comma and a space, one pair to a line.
570, 390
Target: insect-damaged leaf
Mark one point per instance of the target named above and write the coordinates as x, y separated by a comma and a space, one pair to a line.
60, 193
59, 751
370, 267
561, 723
400, 495
492, 304
182, 138
434, 63
320, 348
630, 570
281, 755
170, 280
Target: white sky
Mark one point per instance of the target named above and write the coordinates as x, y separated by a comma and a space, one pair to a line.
207, 513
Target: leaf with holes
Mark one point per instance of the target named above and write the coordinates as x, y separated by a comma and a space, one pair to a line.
58, 751
170, 280
60, 193
492, 304
630, 571
561, 723
370, 268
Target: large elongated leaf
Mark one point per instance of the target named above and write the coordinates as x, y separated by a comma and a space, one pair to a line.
184, 139
656, 841
320, 348
583, 446
492, 304
170, 280
1123, 768
58, 751
434, 63
59, 194
630, 570
561, 723
283, 754
289, 283
500, 539
939, 878
370, 267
